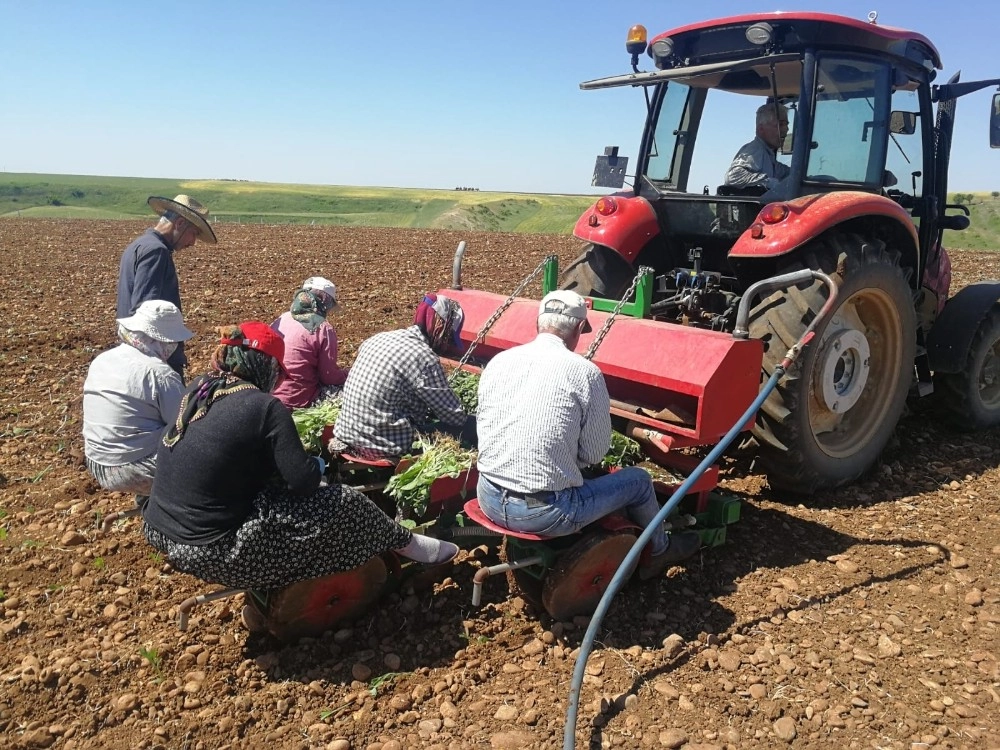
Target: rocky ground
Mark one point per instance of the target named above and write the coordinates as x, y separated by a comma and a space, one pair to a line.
867, 618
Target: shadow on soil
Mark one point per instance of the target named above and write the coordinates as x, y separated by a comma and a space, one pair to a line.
425, 629
764, 540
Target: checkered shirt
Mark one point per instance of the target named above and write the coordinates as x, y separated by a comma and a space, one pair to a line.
395, 383
544, 413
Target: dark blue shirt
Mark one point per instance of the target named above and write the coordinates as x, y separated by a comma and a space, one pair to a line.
147, 272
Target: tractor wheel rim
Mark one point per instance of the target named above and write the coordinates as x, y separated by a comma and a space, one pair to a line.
989, 377
855, 375
846, 362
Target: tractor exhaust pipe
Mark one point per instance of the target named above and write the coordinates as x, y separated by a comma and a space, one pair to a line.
456, 267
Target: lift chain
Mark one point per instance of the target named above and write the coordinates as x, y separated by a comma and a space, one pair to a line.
614, 313
496, 316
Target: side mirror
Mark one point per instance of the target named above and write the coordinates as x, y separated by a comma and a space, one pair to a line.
995, 122
609, 171
902, 123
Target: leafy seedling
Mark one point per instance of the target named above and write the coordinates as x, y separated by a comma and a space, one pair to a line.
152, 656
383, 680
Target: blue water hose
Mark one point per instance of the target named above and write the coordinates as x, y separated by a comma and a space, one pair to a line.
625, 569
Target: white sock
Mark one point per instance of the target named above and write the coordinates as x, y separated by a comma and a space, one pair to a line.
428, 550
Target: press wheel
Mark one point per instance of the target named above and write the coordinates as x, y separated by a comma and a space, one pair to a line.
577, 581
308, 608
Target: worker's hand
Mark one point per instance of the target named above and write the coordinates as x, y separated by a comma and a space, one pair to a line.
322, 465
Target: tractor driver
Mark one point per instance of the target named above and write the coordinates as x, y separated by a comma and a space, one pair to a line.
544, 414
756, 163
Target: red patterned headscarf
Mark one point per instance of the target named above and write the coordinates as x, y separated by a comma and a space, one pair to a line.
440, 319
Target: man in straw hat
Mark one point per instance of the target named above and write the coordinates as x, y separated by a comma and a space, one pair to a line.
130, 396
147, 268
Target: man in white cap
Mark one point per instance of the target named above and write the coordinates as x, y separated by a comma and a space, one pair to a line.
544, 414
147, 268
130, 395
310, 346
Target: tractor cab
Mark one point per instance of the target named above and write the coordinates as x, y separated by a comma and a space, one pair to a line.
858, 102
775, 142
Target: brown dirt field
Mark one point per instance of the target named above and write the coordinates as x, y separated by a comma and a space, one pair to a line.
869, 618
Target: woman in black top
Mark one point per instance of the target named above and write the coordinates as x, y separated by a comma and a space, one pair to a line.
238, 501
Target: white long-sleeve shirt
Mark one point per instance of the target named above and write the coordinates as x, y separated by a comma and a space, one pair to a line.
544, 412
128, 399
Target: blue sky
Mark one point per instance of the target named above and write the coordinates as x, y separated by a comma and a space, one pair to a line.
396, 93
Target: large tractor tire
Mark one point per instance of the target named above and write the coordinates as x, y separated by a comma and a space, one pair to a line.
598, 272
972, 396
831, 415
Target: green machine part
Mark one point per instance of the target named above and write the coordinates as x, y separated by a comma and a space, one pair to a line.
639, 308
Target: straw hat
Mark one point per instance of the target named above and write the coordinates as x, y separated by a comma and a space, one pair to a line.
158, 319
188, 208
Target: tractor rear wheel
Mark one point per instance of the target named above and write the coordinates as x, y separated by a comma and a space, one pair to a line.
831, 415
972, 396
598, 272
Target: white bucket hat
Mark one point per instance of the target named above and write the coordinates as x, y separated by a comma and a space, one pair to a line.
158, 319
319, 284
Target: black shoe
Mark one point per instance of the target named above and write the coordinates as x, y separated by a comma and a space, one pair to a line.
683, 544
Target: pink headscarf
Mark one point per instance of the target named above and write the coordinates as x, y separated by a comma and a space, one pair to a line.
440, 318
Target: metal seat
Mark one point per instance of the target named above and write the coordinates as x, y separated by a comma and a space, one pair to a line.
112, 518
475, 513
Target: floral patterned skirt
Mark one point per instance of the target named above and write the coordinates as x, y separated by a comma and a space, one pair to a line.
289, 538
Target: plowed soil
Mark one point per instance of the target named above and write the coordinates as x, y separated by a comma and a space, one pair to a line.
867, 617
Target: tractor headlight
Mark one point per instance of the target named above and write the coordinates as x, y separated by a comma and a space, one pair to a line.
663, 48
760, 34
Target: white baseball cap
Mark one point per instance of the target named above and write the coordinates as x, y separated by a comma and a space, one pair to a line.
319, 284
565, 302
158, 319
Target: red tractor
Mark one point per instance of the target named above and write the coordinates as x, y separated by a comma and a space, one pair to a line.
862, 196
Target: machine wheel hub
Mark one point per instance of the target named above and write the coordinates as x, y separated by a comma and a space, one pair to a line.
843, 369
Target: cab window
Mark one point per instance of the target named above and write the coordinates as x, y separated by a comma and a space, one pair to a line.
850, 122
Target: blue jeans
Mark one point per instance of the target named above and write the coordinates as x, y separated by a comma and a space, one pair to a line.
628, 490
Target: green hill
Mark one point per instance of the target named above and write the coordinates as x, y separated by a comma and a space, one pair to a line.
984, 230
90, 197
79, 196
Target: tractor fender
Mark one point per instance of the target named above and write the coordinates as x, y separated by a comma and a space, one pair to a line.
951, 335
626, 230
811, 215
